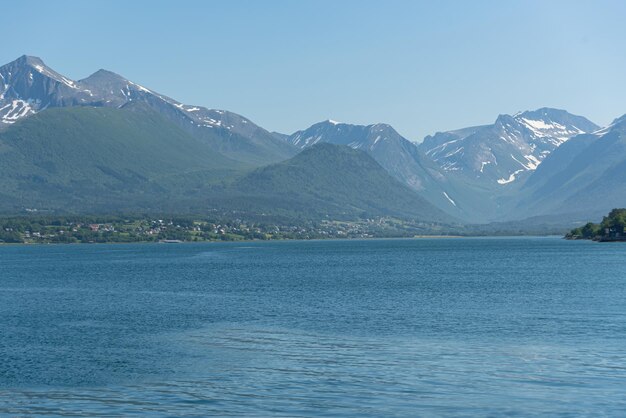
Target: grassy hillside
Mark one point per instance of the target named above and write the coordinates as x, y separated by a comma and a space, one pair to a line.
329, 180
99, 159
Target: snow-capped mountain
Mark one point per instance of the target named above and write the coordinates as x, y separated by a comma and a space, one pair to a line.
587, 175
399, 156
480, 173
28, 86
504, 152
395, 153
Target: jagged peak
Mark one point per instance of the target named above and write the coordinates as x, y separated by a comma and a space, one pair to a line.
619, 121
29, 60
544, 113
546, 110
327, 122
617, 124
105, 74
504, 118
381, 126
26, 64
559, 116
105, 71
105, 79
331, 122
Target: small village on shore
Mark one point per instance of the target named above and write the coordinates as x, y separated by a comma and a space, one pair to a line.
73, 230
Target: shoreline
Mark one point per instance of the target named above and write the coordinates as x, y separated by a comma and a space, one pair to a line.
417, 237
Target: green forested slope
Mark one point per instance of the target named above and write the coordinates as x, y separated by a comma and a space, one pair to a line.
329, 180
85, 158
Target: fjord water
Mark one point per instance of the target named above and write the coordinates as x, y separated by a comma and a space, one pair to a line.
377, 327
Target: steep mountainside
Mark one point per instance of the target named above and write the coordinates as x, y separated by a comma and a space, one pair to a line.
330, 180
400, 157
29, 86
131, 159
586, 176
506, 151
106, 143
104, 159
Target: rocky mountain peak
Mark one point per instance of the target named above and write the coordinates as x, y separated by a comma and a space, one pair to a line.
502, 152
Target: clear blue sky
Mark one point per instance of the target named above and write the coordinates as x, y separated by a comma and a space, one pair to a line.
422, 66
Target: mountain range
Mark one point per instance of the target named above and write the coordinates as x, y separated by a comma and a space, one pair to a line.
105, 143
586, 175
29, 86
396, 154
507, 150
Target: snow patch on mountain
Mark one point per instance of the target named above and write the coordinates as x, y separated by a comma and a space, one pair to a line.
524, 139
101, 88
554, 131
449, 198
511, 178
14, 110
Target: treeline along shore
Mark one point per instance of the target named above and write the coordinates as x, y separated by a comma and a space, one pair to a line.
611, 229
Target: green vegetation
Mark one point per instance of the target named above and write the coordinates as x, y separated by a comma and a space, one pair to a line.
118, 229
612, 228
329, 181
82, 160
86, 159
231, 226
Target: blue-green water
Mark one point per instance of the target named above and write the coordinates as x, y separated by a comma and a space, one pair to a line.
518, 326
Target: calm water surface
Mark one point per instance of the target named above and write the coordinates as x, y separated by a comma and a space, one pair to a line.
506, 326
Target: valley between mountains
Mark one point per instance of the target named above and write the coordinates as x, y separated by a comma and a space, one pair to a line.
105, 144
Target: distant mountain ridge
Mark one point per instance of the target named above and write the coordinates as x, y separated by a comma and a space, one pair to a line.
507, 150
472, 173
585, 175
328, 179
131, 159
399, 156
544, 162
101, 159
29, 86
